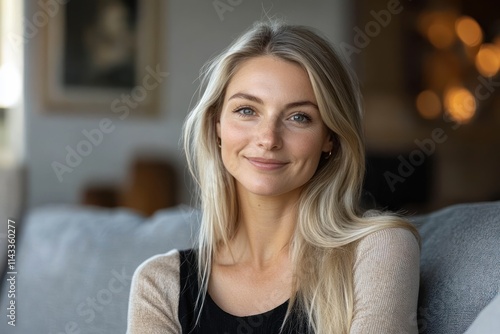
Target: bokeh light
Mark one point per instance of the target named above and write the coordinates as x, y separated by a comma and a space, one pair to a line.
460, 104
488, 60
469, 31
440, 35
439, 28
428, 104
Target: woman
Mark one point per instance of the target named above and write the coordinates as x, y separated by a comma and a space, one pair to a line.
275, 145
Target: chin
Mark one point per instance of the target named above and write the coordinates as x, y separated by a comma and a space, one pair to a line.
269, 189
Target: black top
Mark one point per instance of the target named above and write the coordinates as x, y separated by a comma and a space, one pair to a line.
213, 319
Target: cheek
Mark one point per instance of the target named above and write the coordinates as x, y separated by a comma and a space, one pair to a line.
232, 134
308, 145
234, 139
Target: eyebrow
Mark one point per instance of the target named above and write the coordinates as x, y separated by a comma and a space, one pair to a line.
259, 101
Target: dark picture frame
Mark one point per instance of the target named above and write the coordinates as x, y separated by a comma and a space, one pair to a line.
97, 52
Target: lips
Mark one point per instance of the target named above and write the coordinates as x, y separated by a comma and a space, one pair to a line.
266, 164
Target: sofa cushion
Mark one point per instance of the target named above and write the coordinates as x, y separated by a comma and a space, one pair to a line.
488, 320
460, 271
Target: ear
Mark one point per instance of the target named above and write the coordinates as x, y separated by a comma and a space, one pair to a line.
329, 143
217, 127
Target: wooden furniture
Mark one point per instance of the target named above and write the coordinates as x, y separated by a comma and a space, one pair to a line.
151, 186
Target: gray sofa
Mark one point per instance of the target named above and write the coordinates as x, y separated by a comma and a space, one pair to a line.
74, 265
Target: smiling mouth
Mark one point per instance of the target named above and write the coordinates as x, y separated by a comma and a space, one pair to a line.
266, 164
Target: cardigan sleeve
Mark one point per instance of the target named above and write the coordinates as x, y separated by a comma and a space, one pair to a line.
154, 296
386, 282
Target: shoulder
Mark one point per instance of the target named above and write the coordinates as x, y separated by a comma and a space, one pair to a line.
389, 243
154, 295
160, 267
388, 259
158, 275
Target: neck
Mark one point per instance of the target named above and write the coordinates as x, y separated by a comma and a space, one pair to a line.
265, 228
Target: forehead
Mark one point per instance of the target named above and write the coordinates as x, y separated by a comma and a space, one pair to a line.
271, 77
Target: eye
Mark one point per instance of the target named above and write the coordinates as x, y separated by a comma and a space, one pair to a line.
301, 118
245, 111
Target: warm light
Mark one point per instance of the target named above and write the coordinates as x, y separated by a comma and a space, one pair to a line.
488, 60
438, 27
460, 104
440, 35
428, 104
10, 83
469, 31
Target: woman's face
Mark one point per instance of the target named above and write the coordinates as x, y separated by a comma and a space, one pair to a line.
271, 132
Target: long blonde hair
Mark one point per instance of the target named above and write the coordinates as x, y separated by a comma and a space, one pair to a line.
330, 221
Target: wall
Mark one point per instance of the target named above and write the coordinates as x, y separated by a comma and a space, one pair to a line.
191, 33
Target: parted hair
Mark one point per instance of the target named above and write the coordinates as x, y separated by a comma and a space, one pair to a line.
330, 220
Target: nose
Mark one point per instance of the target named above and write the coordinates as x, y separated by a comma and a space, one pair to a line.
269, 135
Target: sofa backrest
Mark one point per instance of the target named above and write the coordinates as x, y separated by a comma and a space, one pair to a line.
460, 265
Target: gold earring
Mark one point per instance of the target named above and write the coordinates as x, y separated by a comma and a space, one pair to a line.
329, 155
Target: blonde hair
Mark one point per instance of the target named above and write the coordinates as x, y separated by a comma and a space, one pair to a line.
330, 221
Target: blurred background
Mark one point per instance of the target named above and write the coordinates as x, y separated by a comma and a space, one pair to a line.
93, 95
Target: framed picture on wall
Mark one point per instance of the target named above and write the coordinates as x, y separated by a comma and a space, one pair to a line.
103, 56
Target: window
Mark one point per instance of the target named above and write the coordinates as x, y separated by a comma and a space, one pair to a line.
11, 69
